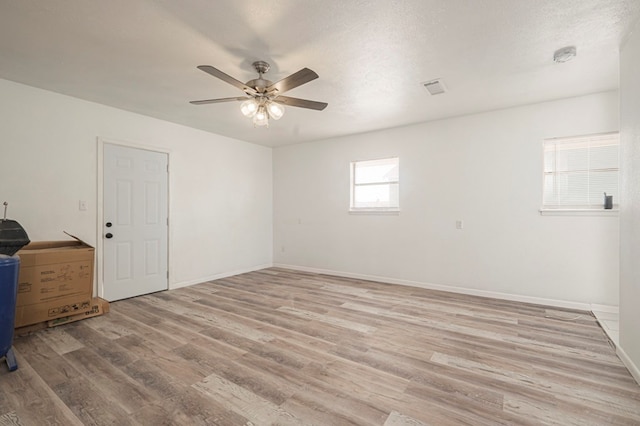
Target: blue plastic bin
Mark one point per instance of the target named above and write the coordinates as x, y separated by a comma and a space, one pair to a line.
9, 269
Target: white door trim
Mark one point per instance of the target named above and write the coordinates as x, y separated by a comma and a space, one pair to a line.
99, 275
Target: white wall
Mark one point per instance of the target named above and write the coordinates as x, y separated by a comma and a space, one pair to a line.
630, 210
220, 188
484, 169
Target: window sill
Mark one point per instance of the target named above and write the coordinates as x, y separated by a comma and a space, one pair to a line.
579, 212
375, 212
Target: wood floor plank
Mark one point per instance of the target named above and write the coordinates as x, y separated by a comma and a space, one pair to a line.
10, 419
33, 401
316, 414
50, 366
189, 407
327, 332
113, 383
277, 346
242, 401
596, 405
100, 344
179, 368
152, 336
398, 419
157, 384
89, 404
328, 319
59, 340
208, 320
110, 326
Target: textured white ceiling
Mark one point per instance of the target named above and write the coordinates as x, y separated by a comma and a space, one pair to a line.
141, 56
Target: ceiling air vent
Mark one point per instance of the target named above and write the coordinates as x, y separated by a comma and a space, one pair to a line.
435, 87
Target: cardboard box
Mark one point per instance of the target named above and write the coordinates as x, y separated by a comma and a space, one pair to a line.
55, 280
98, 307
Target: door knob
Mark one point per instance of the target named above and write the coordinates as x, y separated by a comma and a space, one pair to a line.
108, 235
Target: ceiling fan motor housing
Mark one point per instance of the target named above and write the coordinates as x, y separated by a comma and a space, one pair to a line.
260, 84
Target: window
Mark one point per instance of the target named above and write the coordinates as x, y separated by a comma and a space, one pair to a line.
579, 170
375, 185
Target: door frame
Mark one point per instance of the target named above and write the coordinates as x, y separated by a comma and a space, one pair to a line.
99, 275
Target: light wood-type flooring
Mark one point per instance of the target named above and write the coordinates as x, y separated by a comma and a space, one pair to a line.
284, 347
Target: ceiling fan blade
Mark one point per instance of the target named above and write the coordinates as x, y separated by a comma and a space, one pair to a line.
299, 78
301, 103
215, 101
225, 77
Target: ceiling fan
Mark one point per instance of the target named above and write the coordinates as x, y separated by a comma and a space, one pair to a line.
263, 98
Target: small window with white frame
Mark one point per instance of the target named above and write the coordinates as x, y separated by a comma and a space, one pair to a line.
578, 171
375, 185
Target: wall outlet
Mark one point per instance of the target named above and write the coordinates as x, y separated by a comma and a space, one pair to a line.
459, 224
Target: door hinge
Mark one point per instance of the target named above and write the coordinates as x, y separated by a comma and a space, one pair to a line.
167, 274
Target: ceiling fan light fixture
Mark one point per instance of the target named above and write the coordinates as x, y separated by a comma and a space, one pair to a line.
276, 111
259, 94
261, 118
249, 108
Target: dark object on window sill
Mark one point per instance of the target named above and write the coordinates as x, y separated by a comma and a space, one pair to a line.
608, 201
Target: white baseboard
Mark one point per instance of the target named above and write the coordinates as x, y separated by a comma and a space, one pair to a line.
631, 366
605, 308
461, 290
218, 276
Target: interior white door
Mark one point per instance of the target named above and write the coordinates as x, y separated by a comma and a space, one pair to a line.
135, 227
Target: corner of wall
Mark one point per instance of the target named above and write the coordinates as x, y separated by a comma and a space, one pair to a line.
628, 362
629, 348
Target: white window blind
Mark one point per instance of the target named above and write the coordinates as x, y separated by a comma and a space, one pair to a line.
375, 185
579, 170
